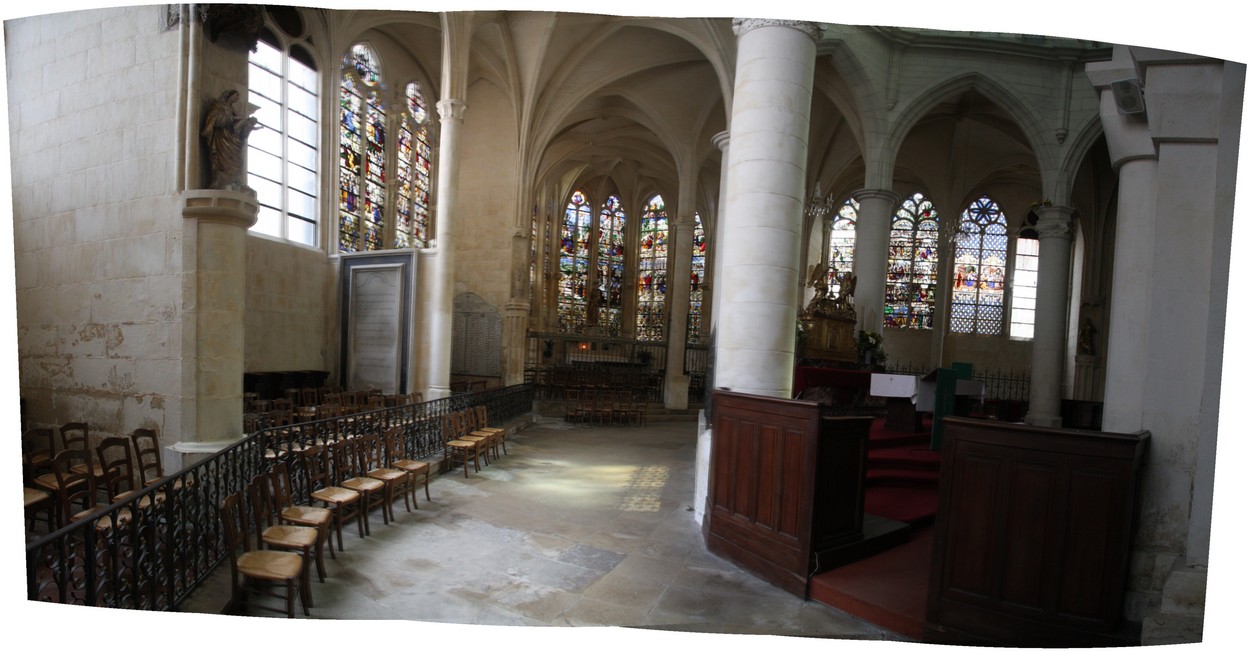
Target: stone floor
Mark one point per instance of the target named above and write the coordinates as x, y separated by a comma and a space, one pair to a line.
577, 526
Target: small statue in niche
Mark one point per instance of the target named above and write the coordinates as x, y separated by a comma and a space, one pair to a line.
226, 132
1085, 337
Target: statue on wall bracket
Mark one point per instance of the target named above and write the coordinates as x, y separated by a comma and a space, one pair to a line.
225, 132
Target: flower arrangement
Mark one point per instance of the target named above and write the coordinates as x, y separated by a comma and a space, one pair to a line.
871, 347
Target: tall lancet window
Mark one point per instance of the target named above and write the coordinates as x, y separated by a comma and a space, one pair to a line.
362, 153
980, 270
652, 271
842, 246
611, 265
572, 292
412, 171
282, 155
698, 271
911, 273
1024, 288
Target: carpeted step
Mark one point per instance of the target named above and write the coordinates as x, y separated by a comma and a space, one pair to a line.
915, 506
879, 438
904, 458
917, 479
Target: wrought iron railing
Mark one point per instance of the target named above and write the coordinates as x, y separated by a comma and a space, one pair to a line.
150, 551
1000, 385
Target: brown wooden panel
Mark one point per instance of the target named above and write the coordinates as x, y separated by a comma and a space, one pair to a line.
1025, 564
1032, 536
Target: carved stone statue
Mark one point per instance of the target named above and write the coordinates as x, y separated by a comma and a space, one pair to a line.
226, 132
1085, 337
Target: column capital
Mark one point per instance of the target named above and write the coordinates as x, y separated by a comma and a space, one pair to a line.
1054, 222
743, 25
872, 193
721, 140
452, 109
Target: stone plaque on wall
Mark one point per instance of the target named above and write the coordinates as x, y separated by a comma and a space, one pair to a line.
475, 337
376, 304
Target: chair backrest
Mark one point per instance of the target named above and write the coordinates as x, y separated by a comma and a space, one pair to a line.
260, 498
286, 404
377, 401
481, 416
370, 450
147, 454
457, 424
343, 454
316, 466
280, 484
233, 524
37, 444
394, 444
74, 436
308, 396
117, 463
74, 483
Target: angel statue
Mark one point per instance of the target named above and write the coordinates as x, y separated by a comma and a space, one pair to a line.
226, 132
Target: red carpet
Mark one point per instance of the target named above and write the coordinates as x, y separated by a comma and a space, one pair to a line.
888, 589
902, 475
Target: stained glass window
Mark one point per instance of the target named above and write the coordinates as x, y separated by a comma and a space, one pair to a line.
1024, 288
698, 269
652, 271
980, 270
842, 245
574, 265
362, 154
911, 274
412, 171
611, 265
282, 155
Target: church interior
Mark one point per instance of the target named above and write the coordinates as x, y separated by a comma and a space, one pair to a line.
766, 230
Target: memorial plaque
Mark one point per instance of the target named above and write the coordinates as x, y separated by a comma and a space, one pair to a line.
476, 332
375, 327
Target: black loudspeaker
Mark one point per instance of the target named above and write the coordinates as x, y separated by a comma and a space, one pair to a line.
1128, 97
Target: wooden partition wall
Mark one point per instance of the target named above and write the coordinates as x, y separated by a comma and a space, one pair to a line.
1033, 535
786, 486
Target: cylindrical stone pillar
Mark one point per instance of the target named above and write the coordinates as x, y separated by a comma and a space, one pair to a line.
761, 232
681, 243
1054, 265
872, 244
442, 286
216, 234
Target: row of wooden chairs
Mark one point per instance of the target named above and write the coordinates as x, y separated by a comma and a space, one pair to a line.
467, 436
349, 477
605, 406
66, 486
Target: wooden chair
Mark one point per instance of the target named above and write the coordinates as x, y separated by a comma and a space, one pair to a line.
350, 471
418, 471
147, 455
460, 425
309, 397
372, 451
484, 425
76, 436
456, 449
308, 516
39, 501
252, 572
37, 444
75, 484
491, 436
118, 476
341, 502
572, 405
282, 537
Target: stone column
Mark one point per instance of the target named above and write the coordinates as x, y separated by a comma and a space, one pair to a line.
515, 315
710, 295
761, 233
442, 286
681, 241
1054, 265
872, 245
215, 253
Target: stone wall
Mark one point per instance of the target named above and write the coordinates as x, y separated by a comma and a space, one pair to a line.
290, 300
92, 123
